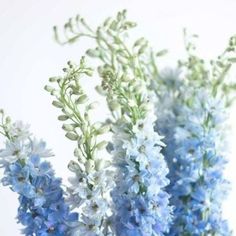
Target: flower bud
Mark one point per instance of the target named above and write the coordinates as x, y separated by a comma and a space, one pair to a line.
89, 72
99, 164
100, 90
107, 22
139, 42
142, 49
114, 105
80, 157
101, 145
232, 59
86, 116
68, 127
8, 119
89, 165
57, 104
93, 53
103, 129
70, 64
73, 166
48, 88
113, 25
53, 79
130, 24
122, 60
65, 70
82, 99
63, 117
72, 136
54, 93
161, 53
102, 164
76, 152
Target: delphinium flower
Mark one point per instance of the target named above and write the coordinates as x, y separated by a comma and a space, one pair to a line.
42, 209
141, 205
195, 104
90, 186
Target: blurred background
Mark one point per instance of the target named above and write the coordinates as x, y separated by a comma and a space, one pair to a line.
29, 55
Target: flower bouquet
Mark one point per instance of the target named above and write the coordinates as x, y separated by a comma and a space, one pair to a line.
153, 167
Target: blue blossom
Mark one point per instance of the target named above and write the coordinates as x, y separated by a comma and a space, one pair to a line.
140, 201
18, 178
39, 168
42, 209
193, 124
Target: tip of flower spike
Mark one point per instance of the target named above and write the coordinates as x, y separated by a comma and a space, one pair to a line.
70, 64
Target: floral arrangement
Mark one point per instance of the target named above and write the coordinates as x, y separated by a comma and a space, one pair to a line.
153, 167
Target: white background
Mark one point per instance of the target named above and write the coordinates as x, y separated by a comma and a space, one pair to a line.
28, 56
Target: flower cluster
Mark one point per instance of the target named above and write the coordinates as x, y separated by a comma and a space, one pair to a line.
42, 209
196, 162
154, 167
189, 124
141, 204
92, 181
193, 121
